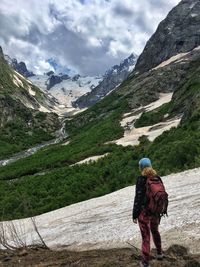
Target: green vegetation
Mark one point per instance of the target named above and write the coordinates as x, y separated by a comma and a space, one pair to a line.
175, 150
20, 127
86, 142
20, 131
46, 180
154, 116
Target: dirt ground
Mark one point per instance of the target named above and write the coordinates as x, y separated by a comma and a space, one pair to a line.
175, 256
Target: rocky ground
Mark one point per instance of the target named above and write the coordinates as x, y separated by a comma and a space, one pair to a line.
176, 256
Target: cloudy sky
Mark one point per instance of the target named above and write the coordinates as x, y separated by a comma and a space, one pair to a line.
88, 36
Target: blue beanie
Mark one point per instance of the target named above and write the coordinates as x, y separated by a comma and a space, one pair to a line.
145, 162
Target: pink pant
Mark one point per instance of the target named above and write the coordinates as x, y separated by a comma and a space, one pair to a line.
147, 223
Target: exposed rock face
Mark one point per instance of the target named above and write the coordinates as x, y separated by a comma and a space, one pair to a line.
76, 77
179, 32
53, 79
19, 66
50, 73
112, 78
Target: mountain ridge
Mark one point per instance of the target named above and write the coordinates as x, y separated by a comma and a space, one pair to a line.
111, 80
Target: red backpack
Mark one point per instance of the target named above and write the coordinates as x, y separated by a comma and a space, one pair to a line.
157, 197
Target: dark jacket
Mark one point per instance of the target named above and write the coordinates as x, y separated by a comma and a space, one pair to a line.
140, 196
140, 201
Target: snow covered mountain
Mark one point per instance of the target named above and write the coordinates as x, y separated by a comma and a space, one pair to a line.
112, 79
83, 91
65, 88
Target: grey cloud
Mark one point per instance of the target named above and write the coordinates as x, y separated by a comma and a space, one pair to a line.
9, 27
123, 11
70, 46
73, 47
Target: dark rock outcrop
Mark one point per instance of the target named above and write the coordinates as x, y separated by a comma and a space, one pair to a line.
76, 77
53, 80
19, 66
50, 73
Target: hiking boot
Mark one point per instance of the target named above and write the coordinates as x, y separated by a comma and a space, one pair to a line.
142, 264
159, 256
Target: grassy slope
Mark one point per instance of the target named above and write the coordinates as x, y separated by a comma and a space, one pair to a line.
173, 151
21, 127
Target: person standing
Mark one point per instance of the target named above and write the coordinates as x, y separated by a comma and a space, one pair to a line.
146, 214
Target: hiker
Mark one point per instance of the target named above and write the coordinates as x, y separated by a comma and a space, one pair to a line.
146, 211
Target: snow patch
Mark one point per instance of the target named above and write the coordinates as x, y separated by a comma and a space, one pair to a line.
132, 137
163, 98
106, 222
17, 81
193, 15
170, 60
93, 158
31, 92
66, 143
22, 77
192, 5
131, 68
178, 57
197, 48
28, 105
44, 109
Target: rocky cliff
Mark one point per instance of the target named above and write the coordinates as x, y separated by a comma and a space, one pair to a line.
178, 33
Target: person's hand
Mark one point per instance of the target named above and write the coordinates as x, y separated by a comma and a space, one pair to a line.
135, 221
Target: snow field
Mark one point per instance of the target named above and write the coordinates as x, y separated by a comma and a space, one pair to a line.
106, 222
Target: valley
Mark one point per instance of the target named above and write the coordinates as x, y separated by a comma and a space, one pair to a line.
70, 146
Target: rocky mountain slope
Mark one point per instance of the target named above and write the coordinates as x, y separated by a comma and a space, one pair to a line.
112, 78
26, 114
20, 67
178, 33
